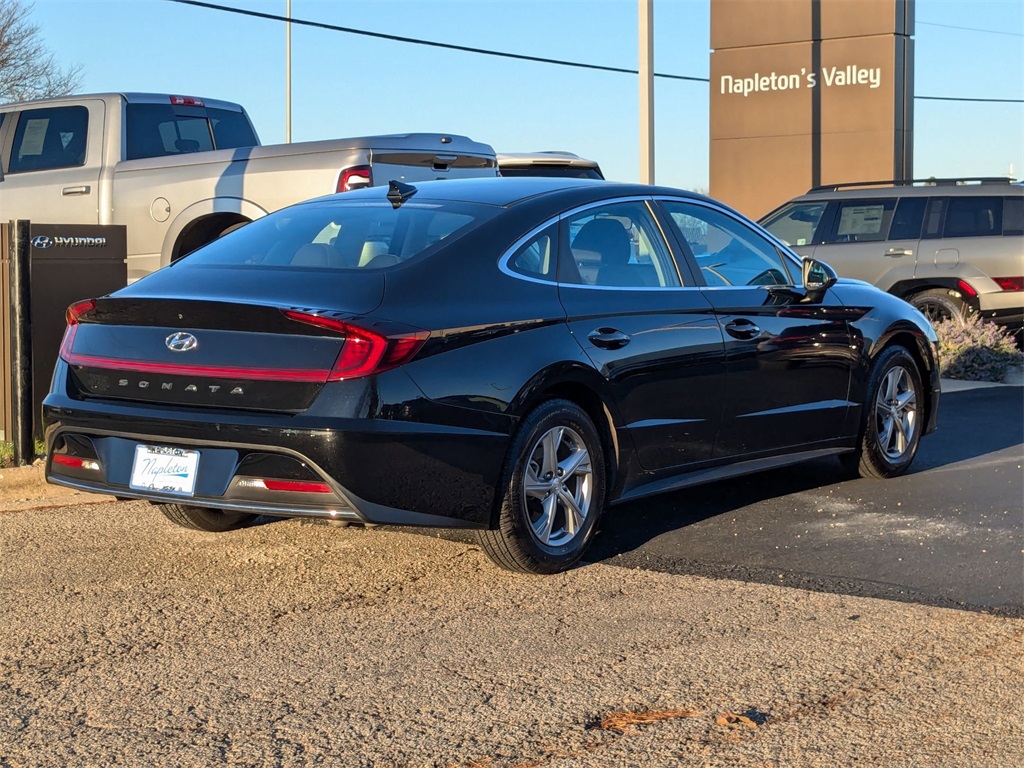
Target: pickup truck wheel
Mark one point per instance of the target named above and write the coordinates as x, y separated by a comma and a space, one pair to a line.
937, 305
203, 518
553, 492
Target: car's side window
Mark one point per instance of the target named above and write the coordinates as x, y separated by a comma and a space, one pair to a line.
50, 138
727, 251
619, 245
974, 217
797, 223
862, 221
906, 223
536, 257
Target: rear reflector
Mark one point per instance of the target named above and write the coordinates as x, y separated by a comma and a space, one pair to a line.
290, 486
966, 288
75, 462
1010, 283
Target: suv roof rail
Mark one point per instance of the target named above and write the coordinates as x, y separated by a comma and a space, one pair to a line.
912, 182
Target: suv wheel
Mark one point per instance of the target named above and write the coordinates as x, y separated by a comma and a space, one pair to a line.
937, 305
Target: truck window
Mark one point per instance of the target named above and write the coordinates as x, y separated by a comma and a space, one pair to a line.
906, 224
157, 130
49, 138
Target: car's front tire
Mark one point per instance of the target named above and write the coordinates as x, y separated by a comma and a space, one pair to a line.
204, 518
893, 417
553, 492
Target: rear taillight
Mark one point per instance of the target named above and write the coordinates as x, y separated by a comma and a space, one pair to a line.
186, 101
74, 315
357, 177
364, 352
1010, 283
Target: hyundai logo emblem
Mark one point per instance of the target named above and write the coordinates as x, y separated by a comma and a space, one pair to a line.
42, 241
181, 342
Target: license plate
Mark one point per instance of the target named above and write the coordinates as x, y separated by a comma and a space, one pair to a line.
168, 470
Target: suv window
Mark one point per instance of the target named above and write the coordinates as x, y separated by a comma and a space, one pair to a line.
1013, 215
974, 217
727, 252
157, 130
906, 223
54, 137
796, 224
862, 221
619, 245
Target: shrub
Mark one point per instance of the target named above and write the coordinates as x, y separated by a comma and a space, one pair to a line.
973, 350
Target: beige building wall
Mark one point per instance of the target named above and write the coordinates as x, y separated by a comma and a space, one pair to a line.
808, 92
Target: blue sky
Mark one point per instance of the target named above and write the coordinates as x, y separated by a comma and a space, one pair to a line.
344, 85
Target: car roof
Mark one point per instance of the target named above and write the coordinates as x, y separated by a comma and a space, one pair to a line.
928, 188
508, 191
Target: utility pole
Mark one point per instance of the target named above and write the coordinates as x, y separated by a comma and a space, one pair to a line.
288, 73
646, 82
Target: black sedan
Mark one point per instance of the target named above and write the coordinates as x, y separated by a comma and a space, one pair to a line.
509, 355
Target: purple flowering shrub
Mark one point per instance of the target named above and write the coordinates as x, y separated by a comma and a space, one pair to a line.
973, 350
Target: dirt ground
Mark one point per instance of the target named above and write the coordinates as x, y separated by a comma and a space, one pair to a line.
26, 488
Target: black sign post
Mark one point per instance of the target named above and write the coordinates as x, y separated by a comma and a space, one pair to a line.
21, 344
69, 262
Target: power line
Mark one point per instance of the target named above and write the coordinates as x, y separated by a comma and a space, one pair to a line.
971, 29
431, 43
524, 57
963, 98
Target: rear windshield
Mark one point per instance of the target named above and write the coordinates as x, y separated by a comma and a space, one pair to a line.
158, 130
337, 236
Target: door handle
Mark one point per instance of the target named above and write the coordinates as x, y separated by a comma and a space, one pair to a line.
82, 190
899, 252
742, 329
608, 338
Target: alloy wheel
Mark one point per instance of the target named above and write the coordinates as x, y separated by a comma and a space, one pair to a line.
896, 413
558, 486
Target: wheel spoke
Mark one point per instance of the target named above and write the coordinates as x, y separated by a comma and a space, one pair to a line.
577, 462
885, 434
532, 485
573, 514
552, 440
546, 522
907, 401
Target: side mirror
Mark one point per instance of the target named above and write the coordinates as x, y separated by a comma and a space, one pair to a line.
818, 277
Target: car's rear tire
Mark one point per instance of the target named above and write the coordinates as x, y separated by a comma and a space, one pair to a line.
937, 305
553, 492
204, 518
893, 417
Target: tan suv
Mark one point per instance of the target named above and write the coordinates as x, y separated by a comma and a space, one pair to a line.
945, 245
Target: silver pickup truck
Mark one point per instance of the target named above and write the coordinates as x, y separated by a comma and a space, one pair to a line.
179, 171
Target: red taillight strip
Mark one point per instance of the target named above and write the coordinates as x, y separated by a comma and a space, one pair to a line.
1010, 283
75, 461
364, 352
318, 376
966, 288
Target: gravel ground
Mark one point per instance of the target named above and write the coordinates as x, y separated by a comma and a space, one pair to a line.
125, 640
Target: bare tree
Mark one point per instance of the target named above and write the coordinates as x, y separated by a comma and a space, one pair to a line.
27, 69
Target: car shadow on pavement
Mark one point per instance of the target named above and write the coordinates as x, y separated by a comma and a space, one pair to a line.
972, 423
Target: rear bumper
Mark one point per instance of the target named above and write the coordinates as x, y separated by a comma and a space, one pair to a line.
378, 471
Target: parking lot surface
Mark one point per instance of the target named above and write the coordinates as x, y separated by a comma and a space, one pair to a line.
125, 640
